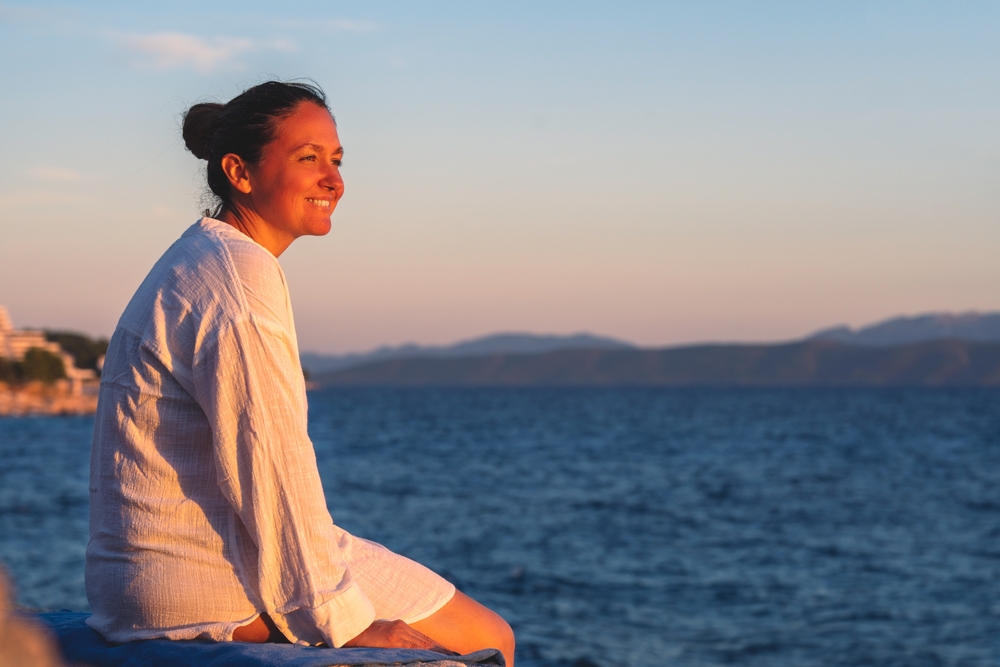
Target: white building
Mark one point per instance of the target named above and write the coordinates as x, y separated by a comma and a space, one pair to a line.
14, 343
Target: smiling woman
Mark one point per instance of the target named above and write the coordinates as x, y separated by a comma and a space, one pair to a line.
208, 518
277, 175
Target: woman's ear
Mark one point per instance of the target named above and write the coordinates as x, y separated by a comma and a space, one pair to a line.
236, 171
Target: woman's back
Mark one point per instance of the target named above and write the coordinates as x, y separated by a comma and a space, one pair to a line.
167, 549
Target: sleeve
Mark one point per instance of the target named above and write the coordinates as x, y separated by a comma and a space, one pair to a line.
249, 382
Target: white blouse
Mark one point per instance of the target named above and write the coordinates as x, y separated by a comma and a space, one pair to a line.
206, 506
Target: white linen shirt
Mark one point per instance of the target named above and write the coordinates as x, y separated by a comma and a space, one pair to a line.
206, 506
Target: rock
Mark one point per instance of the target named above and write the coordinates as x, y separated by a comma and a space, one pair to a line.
59, 398
22, 640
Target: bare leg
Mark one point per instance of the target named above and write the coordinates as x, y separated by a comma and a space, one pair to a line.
466, 626
258, 631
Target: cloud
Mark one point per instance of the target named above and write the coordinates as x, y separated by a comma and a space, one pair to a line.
349, 25
325, 25
50, 174
176, 50
18, 200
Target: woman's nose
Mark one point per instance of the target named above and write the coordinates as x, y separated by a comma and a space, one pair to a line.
332, 179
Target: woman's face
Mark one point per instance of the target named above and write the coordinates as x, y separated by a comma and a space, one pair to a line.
297, 184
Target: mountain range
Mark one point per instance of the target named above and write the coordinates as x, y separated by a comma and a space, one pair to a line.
933, 326
501, 343
926, 350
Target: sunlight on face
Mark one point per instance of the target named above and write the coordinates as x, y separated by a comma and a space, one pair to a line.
296, 185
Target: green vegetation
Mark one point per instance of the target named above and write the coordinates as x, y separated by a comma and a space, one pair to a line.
86, 351
8, 371
37, 365
41, 365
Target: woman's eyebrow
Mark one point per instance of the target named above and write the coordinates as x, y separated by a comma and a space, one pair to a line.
319, 147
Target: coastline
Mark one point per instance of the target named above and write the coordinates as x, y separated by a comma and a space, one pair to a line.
39, 399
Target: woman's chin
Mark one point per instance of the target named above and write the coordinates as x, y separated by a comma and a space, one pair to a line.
320, 227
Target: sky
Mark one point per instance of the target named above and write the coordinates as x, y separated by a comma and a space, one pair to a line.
662, 173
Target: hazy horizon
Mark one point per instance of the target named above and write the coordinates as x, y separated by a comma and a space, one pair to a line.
595, 334
660, 174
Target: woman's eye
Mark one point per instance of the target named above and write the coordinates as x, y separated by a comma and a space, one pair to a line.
338, 163
309, 157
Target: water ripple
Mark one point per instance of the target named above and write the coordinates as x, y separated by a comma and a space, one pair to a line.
635, 527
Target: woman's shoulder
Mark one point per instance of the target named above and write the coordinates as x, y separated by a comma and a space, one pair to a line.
253, 269
249, 258
213, 272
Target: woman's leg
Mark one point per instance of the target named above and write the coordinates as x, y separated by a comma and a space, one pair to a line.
258, 631
462, 625
466, 626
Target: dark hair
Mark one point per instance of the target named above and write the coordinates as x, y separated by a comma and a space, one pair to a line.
243, 126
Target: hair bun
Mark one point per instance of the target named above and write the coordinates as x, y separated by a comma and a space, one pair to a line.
198, 127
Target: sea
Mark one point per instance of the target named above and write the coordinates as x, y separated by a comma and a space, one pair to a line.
633, 527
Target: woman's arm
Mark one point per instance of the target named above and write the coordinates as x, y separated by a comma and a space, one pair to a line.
249, 382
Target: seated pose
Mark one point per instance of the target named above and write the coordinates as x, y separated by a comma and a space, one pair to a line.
207, 516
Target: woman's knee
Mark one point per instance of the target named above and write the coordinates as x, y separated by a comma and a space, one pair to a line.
465, 625
505, 635
498, 632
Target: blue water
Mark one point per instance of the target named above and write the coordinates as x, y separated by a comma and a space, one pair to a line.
632, 527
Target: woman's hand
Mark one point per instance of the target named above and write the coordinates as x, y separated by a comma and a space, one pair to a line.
396, 634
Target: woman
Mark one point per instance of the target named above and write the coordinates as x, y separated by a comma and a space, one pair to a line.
208, 519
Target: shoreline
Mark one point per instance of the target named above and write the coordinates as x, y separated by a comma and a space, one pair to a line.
61, 398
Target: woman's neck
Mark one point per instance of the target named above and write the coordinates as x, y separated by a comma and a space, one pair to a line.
253, 225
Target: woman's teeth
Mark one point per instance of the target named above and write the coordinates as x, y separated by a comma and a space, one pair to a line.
323, 203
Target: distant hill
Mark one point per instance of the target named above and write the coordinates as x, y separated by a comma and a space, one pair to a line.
809, 363
932, 326
937, 349
501, 343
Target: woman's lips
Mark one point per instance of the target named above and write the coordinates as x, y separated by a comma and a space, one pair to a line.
322, 203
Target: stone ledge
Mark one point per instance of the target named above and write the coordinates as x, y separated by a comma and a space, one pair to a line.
58, 398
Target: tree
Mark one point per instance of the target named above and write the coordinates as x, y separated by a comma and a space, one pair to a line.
39, 364
86, 351
8, 371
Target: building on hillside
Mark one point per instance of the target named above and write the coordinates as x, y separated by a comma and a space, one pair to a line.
14, 343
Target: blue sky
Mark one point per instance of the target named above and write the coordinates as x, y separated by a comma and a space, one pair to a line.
661, 172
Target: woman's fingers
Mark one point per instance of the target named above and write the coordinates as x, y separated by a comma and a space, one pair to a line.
396, 634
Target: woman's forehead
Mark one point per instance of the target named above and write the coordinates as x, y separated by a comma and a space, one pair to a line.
310, 125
